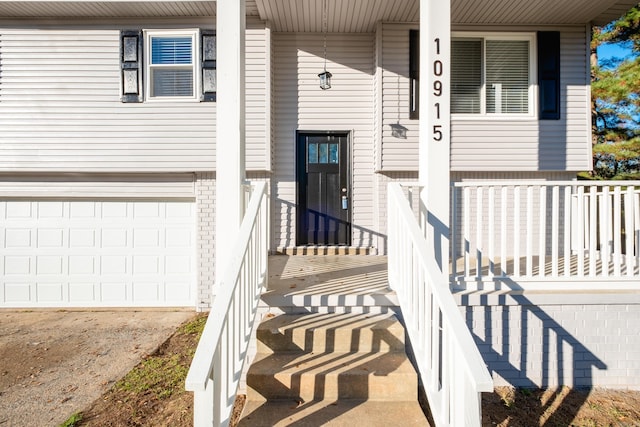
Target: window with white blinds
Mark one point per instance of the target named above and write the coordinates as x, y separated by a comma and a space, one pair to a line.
492, 75
466, 76
171, 64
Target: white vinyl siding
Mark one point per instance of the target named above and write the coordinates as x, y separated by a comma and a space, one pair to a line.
258, 97
300, 104
396, 154
60, 108
492, 143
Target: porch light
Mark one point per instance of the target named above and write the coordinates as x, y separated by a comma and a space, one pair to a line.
398, 131
325, 76
325, 80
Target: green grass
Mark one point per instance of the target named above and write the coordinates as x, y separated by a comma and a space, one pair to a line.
162, 375
194, 327
73, 420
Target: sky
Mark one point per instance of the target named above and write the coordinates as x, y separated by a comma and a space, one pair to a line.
612, 50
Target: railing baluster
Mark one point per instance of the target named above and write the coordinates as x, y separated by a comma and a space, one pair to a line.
542, 232
617, 232
605, 230
582, 230
636, 228
555, 240
516, 231
467, 232
491, 237
454, 234
593, 223
529, 254
629, 235
503, 231
479, 233
567, 231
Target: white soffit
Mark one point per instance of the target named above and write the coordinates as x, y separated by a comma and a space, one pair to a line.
342, 15
362, 15
113, 8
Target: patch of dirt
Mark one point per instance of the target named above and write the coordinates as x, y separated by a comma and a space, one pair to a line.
166, 403
560, 407
56, 362
158, 403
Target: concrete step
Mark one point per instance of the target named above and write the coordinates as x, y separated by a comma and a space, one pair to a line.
319, 333
342, 413
330, 376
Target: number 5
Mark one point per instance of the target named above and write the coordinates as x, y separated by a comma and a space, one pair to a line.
437, 133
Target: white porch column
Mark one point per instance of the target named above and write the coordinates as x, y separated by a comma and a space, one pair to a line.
230, 127
435, 126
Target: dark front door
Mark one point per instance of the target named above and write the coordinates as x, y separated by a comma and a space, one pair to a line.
324, 199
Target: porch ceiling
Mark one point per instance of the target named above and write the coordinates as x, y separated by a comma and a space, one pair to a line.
342, 15
362, 15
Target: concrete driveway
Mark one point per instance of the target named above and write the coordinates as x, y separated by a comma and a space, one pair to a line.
54, 363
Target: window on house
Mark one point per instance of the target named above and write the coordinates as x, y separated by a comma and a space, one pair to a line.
492, 75
171, 65
178, 65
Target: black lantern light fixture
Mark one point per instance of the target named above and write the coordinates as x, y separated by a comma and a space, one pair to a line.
325, 80
325, 76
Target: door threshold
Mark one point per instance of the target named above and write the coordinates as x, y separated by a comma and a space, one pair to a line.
324, 250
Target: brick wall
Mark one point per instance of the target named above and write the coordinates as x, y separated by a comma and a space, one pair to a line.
582, 345
205, 200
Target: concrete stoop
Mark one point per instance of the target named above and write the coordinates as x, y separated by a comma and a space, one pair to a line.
332, 369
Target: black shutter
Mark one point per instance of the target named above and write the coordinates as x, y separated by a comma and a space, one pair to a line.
414, 74
208, 65
131, 66
549, 74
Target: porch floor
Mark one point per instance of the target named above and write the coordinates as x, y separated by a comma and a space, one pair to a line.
328, 283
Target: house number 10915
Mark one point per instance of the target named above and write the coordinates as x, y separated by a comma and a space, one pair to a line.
437, 92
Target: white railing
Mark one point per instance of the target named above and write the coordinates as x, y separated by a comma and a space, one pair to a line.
451, 368
219, 358
550, 233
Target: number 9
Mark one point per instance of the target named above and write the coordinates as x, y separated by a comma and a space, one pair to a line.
437, 88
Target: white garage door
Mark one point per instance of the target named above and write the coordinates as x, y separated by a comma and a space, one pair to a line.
79, 253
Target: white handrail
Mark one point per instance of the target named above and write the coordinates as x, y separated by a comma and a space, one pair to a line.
451, 367
219, 358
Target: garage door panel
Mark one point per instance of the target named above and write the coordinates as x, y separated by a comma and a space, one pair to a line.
97, 253
82, 292
146, 292
17, 265
114, 292
82, 265
17, 292
50, 238
18, 210
17, 238
82, 238
47, 265
49, 292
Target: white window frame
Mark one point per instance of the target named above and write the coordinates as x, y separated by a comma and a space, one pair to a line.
533, 70
194, 33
